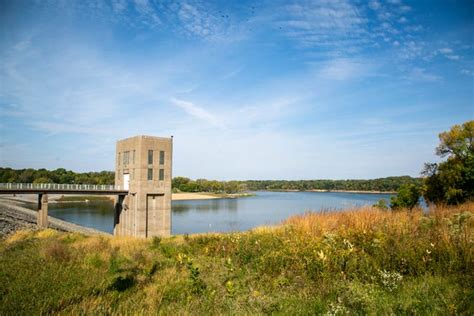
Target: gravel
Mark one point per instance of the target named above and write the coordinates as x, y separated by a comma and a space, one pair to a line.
15, 217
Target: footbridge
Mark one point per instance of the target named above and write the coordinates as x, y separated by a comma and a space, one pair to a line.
43, 189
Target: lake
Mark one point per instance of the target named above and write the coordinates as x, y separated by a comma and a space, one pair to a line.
222, 215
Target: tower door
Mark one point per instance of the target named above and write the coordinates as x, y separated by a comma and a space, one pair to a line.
126, 181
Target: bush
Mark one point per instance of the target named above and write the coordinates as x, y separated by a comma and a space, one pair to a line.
407, 197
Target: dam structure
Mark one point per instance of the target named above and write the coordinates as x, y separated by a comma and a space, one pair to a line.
143, 168
142, 188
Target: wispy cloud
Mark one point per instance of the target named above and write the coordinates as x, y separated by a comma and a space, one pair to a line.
325, 24
197, 112
147, 9
344, 69
420, 74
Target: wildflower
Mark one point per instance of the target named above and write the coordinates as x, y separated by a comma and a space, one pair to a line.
390, 280
321, 255
348, 245
181, 257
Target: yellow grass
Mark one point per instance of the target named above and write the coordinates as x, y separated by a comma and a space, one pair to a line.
369, 219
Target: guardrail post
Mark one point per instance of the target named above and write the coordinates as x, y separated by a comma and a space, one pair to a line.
42, 210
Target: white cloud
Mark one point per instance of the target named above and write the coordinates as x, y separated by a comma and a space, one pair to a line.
468, 72
327, 24
374, 5
119, 5
197, 111
405, 8
453, 57
420, 74
344, 69
445, 50
411, 50
146, 9
448, 53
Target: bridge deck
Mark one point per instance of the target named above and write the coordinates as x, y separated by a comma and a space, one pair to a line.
55, 188
56, 191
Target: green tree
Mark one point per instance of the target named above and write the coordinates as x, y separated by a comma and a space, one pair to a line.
43, 180
407, 197
381, 204
452, 181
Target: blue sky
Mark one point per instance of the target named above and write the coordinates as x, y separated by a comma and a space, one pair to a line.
250, 90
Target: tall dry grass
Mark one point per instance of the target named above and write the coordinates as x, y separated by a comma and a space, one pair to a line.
362, 261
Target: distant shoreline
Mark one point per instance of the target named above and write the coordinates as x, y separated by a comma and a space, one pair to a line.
335, 191
183, 196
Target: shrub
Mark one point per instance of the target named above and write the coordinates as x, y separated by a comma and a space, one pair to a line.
407, 197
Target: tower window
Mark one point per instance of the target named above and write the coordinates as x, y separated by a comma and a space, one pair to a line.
162, 157
150, 157
126, 157
162, 174
150, 174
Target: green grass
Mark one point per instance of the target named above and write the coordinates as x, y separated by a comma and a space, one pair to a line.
356, 262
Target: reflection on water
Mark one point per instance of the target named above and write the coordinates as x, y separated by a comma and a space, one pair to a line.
215, 205
221, 215
94, 214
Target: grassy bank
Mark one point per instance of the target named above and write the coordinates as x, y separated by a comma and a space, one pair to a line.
362, 261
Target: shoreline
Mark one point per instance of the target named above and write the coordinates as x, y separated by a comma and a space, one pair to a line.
335, 191
353, 191
58, 198
187, 196
15, 217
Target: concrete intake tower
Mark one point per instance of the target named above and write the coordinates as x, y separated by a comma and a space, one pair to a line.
143, 167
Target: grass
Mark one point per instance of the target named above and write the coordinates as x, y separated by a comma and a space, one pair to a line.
363, 261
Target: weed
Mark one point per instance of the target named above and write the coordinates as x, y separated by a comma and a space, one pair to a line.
155, 242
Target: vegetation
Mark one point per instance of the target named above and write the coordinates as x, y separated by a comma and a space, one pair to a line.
60, 175
363, 261
389, 184
407, 197
183, 184
452, 181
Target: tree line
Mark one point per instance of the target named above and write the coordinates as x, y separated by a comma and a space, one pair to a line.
183, 184
60, 175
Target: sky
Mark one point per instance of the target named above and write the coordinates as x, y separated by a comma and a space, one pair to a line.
329, 89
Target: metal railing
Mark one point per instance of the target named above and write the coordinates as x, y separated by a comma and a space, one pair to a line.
58, 186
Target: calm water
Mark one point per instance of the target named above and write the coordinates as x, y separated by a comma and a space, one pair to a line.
221, 215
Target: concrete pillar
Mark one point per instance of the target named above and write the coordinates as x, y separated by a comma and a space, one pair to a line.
117, 215
42, 210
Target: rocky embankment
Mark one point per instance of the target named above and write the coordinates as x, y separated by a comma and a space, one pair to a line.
13, 217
